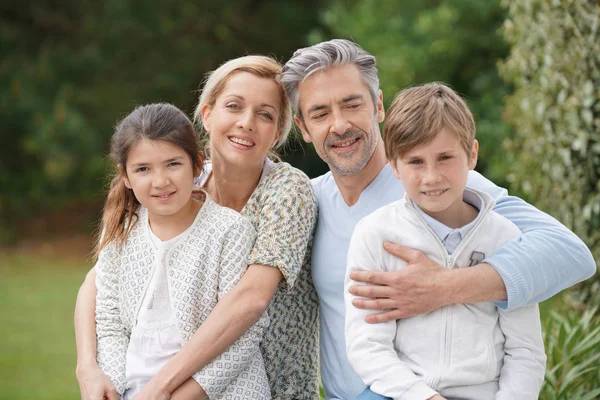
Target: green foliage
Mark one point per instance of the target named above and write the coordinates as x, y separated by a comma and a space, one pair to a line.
554, 64
436, 40
572, 342
71, 69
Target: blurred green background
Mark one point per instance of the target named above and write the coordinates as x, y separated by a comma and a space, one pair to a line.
529, 70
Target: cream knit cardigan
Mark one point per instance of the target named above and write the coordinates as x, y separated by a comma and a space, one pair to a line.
201, 268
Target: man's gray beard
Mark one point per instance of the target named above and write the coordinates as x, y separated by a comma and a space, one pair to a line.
354, 169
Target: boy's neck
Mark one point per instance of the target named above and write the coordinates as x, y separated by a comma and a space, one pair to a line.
456, 216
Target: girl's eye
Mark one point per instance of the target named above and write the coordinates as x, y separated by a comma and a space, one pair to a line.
142, 169
174, 163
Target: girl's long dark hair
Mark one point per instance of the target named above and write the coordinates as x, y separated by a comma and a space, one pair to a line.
151, 122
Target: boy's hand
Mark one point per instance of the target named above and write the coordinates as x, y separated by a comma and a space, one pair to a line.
416, 289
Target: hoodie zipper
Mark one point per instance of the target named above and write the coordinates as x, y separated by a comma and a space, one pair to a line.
449, 264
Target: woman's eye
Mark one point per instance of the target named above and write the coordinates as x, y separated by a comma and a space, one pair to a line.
267, 116
232, 106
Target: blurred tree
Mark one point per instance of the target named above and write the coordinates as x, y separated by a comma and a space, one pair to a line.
554, 64
415, 42
71, 69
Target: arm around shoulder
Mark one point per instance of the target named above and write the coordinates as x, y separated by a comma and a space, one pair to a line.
544, 260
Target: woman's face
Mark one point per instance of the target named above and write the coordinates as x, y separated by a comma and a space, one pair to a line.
243, 122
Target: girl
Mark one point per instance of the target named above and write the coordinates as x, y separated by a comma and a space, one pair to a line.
245, 113
164, 261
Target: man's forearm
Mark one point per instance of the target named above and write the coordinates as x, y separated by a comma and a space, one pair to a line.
478, 283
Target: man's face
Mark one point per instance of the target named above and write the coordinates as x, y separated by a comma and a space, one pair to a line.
339, 118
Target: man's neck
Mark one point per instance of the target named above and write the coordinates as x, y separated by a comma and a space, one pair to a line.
352, 186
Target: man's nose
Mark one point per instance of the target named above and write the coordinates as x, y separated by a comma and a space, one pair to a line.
340, 123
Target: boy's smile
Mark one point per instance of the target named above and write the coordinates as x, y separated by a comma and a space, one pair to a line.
434, 176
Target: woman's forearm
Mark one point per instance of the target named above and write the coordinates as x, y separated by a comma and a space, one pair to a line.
233, 315
85, 322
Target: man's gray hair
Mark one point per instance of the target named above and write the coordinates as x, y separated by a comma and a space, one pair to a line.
323, 56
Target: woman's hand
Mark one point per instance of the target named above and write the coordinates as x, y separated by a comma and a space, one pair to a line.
94, 384
151, 392
189, 390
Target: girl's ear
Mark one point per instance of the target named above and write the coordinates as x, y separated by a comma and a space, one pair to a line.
124, 176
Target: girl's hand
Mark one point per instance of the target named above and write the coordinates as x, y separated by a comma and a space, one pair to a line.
94, 385
437, 397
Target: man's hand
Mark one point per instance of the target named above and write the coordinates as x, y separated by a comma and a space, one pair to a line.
94, 384
418, 288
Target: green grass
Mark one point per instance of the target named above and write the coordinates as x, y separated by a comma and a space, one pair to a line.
37, 343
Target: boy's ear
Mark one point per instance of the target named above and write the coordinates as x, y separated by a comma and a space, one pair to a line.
395, 170
302, 127
473, 155
124, 176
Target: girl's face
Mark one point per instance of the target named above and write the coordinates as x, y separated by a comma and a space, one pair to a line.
243, 122
161, 176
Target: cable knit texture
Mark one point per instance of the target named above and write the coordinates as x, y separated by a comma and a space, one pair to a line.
201, 268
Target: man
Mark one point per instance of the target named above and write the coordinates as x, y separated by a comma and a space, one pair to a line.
334, 89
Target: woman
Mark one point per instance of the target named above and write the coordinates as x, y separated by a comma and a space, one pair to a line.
245, 113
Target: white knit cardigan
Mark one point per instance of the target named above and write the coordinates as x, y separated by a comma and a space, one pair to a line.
201, 268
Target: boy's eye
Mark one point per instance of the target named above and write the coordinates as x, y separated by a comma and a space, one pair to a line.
415, 162
444, 158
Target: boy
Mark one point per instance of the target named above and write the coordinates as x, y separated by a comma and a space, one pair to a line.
462, 351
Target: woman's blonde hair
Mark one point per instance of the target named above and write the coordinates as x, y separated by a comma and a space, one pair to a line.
261, 66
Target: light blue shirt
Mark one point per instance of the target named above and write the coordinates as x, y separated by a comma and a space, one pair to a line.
451, 238
544, 260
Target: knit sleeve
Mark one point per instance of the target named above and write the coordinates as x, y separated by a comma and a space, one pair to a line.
112, 340
286, 221
241, 364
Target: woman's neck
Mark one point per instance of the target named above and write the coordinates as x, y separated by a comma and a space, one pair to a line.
230, 186
167, 227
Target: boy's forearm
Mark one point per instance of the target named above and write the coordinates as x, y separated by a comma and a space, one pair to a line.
470, 285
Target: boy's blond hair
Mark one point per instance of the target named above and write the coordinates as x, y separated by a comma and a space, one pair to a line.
419, 113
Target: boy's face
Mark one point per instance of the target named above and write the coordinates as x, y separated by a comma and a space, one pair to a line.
434, 175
